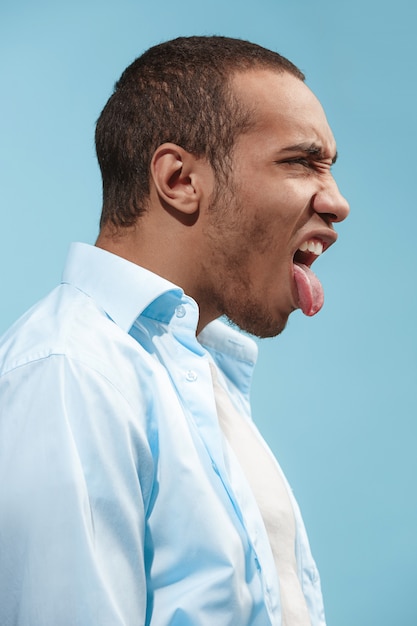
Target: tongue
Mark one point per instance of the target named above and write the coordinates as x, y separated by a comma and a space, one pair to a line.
310, 291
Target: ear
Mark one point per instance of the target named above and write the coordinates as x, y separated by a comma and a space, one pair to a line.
176, 176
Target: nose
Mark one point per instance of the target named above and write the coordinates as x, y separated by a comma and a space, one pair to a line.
330, 204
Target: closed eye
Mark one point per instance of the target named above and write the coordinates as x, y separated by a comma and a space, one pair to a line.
304, 162
308, 163
309, 156
299, 161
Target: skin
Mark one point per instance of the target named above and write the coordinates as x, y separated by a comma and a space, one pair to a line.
231, 246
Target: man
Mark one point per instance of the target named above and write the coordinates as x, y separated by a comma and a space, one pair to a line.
135, 488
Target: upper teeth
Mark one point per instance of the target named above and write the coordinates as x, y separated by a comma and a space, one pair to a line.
314, 246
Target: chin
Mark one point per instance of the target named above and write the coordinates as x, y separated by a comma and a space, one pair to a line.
274, 331
261, 326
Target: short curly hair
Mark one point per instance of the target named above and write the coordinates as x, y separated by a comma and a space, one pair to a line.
175, 92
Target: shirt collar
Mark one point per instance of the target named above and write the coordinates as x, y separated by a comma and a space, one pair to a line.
219, 337
124, 290
121, 288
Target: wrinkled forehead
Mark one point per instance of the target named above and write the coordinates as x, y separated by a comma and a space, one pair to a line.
281, 105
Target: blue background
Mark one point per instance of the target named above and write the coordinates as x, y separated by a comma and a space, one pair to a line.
336, 395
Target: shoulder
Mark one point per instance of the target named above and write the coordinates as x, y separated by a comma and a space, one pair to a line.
68, 372
69, 326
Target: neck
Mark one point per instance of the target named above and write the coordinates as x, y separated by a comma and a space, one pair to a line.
173, 258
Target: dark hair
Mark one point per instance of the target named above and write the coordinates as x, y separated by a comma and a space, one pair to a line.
175, 92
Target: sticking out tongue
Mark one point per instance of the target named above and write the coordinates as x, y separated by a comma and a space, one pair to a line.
310, 291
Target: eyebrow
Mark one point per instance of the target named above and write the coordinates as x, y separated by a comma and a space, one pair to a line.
311, 149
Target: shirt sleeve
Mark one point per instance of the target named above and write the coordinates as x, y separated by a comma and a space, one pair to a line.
76, 470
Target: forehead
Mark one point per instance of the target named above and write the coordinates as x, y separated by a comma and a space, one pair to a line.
284, 110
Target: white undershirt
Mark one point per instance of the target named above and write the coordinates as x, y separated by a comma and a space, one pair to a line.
271, 495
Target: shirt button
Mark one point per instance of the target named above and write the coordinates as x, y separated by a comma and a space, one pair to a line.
180, 311
191, 376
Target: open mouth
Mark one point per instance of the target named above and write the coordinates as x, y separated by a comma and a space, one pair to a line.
310, 293
308, 252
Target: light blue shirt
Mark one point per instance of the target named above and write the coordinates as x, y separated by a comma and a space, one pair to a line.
116, 506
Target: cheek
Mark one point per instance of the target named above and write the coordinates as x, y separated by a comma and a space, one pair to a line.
270, 234
261, 235
297, 196
281, 204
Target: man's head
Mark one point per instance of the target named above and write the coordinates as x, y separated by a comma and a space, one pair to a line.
228, 157
179, 92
